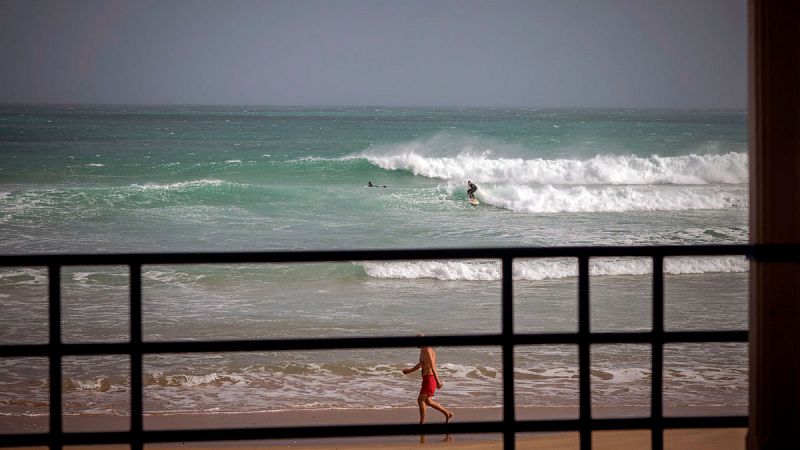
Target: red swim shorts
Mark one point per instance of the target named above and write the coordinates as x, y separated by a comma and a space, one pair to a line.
428, 385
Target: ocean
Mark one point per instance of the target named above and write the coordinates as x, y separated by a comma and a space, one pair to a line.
98, 179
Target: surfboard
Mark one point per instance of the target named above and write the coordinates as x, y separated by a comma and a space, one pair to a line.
474, 201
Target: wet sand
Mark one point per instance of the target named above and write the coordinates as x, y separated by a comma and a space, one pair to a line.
612, 440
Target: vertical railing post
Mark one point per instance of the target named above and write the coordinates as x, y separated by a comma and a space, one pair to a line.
56, 431
584, 349
657, 377
136, 355
509, 415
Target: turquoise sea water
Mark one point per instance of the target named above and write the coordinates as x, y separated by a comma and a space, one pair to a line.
151, 179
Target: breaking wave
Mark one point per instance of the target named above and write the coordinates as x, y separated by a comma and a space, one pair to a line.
546, 268
482, 163
603, 183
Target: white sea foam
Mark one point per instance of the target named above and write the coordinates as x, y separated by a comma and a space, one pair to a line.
21, 202
332, 385
97, 384
314, 386
23, 276
103, 278
171, 277
194, 380
617, 375
623, 375
178, 186
91, 384
595, 198
197, 380
547, 268
440, 270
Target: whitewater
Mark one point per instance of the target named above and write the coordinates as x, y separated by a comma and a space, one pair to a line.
549, 269
602, 183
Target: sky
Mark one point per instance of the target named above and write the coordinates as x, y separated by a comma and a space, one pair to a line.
535, 53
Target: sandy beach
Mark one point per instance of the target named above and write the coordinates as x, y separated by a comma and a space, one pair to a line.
616, 440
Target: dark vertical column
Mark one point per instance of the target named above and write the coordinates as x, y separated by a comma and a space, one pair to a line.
584, 349
509, 415
56, 421
656, 387
774, 118
136, 356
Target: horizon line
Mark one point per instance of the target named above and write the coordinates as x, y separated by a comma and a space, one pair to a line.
286, 105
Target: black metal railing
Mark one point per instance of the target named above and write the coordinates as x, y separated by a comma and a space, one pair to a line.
137, 436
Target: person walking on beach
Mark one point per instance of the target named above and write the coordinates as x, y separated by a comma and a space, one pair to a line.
471, 189
430, 382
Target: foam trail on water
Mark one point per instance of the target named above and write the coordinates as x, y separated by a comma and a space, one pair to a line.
179, 185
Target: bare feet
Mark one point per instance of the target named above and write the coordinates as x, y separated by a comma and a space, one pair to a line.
448, 416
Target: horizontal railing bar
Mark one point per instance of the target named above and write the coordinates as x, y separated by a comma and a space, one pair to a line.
335, 431
633, 423
242, 434
237, 434
254, 345
706, 422
789, 251
479, 340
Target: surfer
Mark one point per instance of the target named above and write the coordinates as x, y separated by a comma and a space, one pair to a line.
369, 184
471, 189
430, 382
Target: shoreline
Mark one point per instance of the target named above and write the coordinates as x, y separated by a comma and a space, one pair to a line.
612, 440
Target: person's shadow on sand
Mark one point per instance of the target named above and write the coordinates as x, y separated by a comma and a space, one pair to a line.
447, 438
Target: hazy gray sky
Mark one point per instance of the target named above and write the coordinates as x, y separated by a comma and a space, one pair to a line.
614, 53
